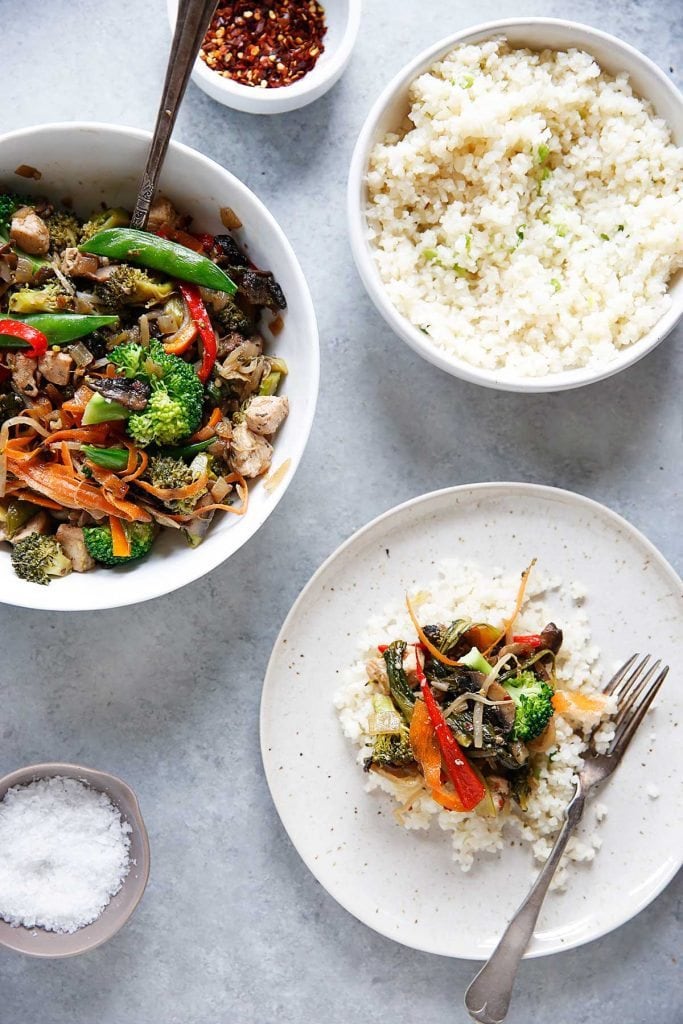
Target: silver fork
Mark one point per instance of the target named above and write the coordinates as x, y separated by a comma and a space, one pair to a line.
488, 997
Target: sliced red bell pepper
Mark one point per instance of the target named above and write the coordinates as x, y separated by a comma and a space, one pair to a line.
531, 640
197, 309
468, 785
35, 339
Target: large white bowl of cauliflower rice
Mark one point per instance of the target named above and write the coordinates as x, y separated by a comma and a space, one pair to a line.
516, 205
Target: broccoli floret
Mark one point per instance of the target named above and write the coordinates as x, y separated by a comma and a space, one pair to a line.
533, 705
392, 748
37, 558
231, 318
174, 409
165, 471
99, 543
8, 204
116, 218
64, 230
131, 286
51, 298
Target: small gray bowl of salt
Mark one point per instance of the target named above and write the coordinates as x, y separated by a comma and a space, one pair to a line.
74, 858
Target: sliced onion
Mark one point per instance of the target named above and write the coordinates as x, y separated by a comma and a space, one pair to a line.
166, 323
3, 474
24, 271
478, 725
64, 281
461, 702
144, 330
220, 489
24, 421
85, 302
81, 355
495, 672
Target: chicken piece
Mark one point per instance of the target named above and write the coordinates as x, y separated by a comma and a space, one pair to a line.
71, 539
56, 367
161, 212
39, 523
30, 232
79, 264
250, 454
265, 413
23, 374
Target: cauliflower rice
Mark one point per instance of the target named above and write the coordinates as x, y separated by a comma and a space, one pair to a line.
529, 214
462, 590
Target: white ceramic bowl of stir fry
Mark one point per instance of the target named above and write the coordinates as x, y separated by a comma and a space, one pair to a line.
156, 394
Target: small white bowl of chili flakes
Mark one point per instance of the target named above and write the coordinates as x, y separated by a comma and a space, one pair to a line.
276, 55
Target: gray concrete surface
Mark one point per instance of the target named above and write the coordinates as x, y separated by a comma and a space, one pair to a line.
233, 929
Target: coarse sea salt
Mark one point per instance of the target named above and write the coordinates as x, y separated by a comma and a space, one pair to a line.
64, 852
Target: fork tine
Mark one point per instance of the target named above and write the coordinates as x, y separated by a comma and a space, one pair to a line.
630, 694
624, 688
619, 675
628, 729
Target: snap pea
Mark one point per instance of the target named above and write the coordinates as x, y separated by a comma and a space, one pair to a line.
188, 451
58, 328
148, 250
108, 458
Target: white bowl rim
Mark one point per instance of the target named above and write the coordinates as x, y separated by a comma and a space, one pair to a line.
305, 85
196, 566
367, 267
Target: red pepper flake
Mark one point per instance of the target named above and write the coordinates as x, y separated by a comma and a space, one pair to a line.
275, 43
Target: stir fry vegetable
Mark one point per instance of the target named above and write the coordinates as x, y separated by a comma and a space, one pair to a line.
141, 248
135, 392
468, 721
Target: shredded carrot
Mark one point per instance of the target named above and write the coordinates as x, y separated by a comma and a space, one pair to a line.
37, 499
66, 456
120, 544
142, 466
110, 371
58, 483
209, 428
572, 701
509, 623
96, 434
111, 484
424, 639
175, 493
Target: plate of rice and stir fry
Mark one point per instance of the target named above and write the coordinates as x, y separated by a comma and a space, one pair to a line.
136, 392
430, 698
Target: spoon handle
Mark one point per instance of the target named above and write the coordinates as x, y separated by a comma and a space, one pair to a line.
192, 22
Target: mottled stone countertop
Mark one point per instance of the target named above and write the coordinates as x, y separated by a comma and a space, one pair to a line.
233, 927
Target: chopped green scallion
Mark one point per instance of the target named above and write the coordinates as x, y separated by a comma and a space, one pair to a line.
556, 284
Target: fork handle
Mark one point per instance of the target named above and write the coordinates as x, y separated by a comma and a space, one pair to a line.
192, 23
488, 996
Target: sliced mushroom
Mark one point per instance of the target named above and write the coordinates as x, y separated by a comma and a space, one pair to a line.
505, 712
133, 394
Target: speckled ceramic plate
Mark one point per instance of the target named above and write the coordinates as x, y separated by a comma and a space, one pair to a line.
404, 884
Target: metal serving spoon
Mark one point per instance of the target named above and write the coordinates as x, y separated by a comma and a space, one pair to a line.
194, 18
